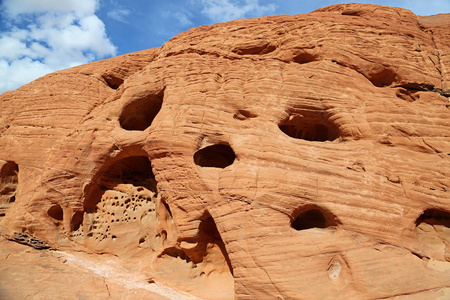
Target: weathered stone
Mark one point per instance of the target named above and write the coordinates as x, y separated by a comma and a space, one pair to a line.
30, 241
281, 157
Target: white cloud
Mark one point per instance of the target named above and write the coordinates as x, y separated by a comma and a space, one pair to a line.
80, 7
120, 15
20, 71
49, 35
226, 10
183, 18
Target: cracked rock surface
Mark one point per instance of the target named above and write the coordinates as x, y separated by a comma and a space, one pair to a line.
284, 157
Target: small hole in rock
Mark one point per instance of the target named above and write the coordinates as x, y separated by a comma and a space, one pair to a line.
310, 127
382, 78
56, 212
113, 81
313, 217
351, 12
304, 58
215, 156
243, 114
175, 253
432, 230
253, 50
77, 220
435, 217
309, 219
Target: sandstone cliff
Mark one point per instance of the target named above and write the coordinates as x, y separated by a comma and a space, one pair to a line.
285, 157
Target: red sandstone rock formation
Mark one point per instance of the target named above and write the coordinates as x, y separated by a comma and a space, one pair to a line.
286, 157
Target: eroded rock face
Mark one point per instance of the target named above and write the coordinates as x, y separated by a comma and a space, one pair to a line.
8, 185
290, 156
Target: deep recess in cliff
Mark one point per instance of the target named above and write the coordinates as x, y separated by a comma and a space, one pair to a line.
284, 157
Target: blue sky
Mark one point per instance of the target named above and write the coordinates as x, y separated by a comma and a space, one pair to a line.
42, 36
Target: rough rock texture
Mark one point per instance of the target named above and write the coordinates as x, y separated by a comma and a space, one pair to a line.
31, 274
286, 157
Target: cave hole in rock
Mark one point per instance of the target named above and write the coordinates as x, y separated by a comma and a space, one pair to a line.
120, 204
209, 246
304, 58
434, 217
382, 78
176, 253
201, 260
352, 12
77, 221
313, 217
8, 185
215, 156
243, 114
139, 114
210, 234
310, 126
56, 212
135, 170
433, 233
255, 50
113, 81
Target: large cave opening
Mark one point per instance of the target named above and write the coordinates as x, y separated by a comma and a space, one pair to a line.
139, 114
119, 207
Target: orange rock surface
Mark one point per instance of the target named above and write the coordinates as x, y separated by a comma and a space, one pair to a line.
284, 157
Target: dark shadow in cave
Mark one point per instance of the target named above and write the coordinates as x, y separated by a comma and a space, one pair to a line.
215, 156
313, 216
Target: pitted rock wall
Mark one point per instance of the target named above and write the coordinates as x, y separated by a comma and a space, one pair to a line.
291, 157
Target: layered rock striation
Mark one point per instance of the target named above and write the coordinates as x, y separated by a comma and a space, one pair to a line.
290, 157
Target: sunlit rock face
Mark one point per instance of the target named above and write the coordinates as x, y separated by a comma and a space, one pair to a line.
285, 157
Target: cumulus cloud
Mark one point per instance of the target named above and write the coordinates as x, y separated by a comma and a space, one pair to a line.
226, 10
48, 35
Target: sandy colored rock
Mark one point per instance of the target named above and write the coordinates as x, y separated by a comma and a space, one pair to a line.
285, 157
43, 274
